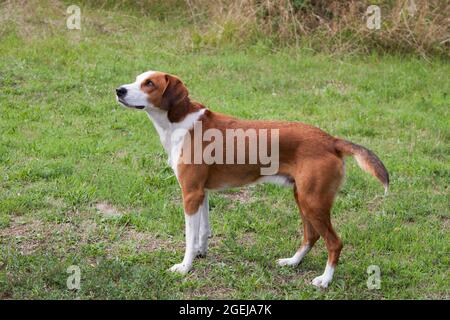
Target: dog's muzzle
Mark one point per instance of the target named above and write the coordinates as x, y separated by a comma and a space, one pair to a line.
121, 92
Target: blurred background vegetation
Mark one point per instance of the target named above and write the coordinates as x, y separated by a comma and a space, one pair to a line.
420, 27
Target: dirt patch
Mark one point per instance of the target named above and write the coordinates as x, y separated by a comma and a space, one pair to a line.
107, 210
242, 195
87, 231
27, 235
247, 239
30, 235
145, 241
212, 292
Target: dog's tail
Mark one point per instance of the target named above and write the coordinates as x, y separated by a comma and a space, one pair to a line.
367, 160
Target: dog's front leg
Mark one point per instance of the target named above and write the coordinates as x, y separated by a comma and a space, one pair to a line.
192, 222
205, 229
193, 206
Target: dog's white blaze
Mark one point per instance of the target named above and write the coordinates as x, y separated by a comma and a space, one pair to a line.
135, 96
144, 76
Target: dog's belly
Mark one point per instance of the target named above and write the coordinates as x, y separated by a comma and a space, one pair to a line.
283, 180
235, 176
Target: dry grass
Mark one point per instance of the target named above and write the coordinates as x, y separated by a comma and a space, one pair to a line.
27, 17
329, 25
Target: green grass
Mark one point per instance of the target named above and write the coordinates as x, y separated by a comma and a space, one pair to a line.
66, 146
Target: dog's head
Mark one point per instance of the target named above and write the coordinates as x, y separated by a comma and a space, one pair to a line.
155, 90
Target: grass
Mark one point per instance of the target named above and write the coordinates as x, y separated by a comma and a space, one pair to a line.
85, 182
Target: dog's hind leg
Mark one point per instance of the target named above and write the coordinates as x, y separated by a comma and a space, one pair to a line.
318, 185
334, 247
310, 236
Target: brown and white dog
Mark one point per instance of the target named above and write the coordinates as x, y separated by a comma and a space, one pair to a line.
309, 160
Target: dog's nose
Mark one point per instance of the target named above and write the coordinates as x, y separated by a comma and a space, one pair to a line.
121, 92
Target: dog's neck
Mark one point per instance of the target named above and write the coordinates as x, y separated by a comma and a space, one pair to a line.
169, 131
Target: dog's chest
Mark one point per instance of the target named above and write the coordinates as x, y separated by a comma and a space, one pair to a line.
172, 135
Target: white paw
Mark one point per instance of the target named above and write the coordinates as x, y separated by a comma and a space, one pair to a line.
321, 281
287, 262
180, 268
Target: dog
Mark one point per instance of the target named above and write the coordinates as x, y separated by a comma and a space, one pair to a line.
309, 160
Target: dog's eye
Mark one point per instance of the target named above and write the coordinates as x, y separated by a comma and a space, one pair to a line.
149, 83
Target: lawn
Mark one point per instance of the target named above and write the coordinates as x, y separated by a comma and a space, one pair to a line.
85, 182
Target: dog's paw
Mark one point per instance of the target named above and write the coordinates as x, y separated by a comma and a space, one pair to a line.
287, 262
201, 253
180, 268
321, 281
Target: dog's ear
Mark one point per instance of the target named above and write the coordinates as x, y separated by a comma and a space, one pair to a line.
175, 99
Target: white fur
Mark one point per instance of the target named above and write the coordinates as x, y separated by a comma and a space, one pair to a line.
296, 258
135, 96
276, 179
205, 230
192, 235
197, 233
323, 280
172, 134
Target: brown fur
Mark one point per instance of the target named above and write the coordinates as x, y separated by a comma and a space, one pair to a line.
169, 93
367, 160
309, 157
